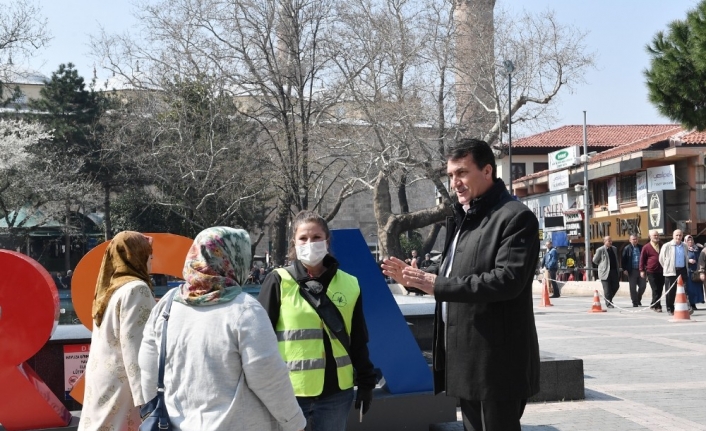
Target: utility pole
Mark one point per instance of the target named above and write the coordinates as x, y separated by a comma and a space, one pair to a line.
586, 233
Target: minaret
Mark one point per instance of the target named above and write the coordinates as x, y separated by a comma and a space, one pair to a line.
474, 65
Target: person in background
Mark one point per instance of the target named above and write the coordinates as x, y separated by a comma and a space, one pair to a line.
56, 276
223, 370
415, 261
323, 368
606, 258
701, 265
673, 256
630, 262
651, 269
427, 262
121, 306
694, 289
486, 351
67, 279
551, 264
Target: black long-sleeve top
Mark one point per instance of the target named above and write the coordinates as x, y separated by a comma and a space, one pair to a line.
270, 298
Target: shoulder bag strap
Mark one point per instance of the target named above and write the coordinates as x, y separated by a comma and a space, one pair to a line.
326, 310
163, 349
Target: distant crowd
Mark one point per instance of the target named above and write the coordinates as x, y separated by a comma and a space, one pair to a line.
63, 281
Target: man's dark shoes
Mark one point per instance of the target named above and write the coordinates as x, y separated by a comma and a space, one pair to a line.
555, 296
609, 305
634, 304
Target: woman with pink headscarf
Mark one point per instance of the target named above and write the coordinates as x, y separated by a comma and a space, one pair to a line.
223, 368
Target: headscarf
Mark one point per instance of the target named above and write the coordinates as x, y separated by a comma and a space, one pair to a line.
125, 259
216, 266
693, 246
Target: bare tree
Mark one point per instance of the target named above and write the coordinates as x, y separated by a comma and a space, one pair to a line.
418, 85
275, 58
23, 30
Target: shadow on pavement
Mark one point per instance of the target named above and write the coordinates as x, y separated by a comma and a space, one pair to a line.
592, 395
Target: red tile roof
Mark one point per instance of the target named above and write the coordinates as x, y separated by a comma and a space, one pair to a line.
651, 135
693, 138
636, 146
597, 136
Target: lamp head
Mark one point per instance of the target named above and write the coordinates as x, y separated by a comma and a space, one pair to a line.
509, 66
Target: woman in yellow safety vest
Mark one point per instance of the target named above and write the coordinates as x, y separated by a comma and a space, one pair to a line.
321, 363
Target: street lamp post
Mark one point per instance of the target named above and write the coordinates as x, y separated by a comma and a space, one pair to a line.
586, 233
509, 68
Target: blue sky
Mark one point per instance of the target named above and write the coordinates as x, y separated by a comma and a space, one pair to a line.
614, 92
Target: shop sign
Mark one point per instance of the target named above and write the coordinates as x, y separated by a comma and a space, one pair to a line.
574, 229
655, 211
549, 210
559, 180
619, 227
661, 178
563, 158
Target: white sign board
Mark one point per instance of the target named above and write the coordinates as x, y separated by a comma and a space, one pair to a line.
548, 206
559, 180
563, 158
641, 189
613, 194
661, 178
75, 359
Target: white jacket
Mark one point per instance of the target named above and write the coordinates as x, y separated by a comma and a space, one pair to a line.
667, 257
223, 370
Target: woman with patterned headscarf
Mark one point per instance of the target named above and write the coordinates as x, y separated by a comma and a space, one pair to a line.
694, 289
223, 368
121, 306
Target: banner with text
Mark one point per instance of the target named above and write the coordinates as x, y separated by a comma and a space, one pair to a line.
613, 194
641, 178
559, 180
661, 178
75, 359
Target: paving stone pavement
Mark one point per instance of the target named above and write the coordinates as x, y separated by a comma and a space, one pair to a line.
642, 372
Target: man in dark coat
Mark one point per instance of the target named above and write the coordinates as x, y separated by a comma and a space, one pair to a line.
630, 262
486, 351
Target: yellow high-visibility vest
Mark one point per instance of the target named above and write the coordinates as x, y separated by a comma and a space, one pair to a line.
300, 333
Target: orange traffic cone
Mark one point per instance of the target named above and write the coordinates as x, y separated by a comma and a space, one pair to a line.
571, 277
597, 307
681, 308
545, 294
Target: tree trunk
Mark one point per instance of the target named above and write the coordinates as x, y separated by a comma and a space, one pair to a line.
429, 241
280, 237
402, 199
390, 225
67, 239
106, 220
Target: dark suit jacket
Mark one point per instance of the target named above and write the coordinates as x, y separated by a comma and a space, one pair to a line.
488, 349
626, 260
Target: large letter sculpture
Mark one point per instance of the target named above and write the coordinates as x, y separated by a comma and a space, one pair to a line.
392, 347
169, 252
29, 312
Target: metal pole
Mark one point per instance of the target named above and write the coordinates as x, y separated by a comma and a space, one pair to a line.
509, 125
586, 232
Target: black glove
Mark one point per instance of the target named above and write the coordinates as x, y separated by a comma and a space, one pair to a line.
364, 398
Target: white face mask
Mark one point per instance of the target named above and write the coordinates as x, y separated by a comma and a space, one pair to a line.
311, 253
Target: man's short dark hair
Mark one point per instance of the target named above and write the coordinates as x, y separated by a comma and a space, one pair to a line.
479, 150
